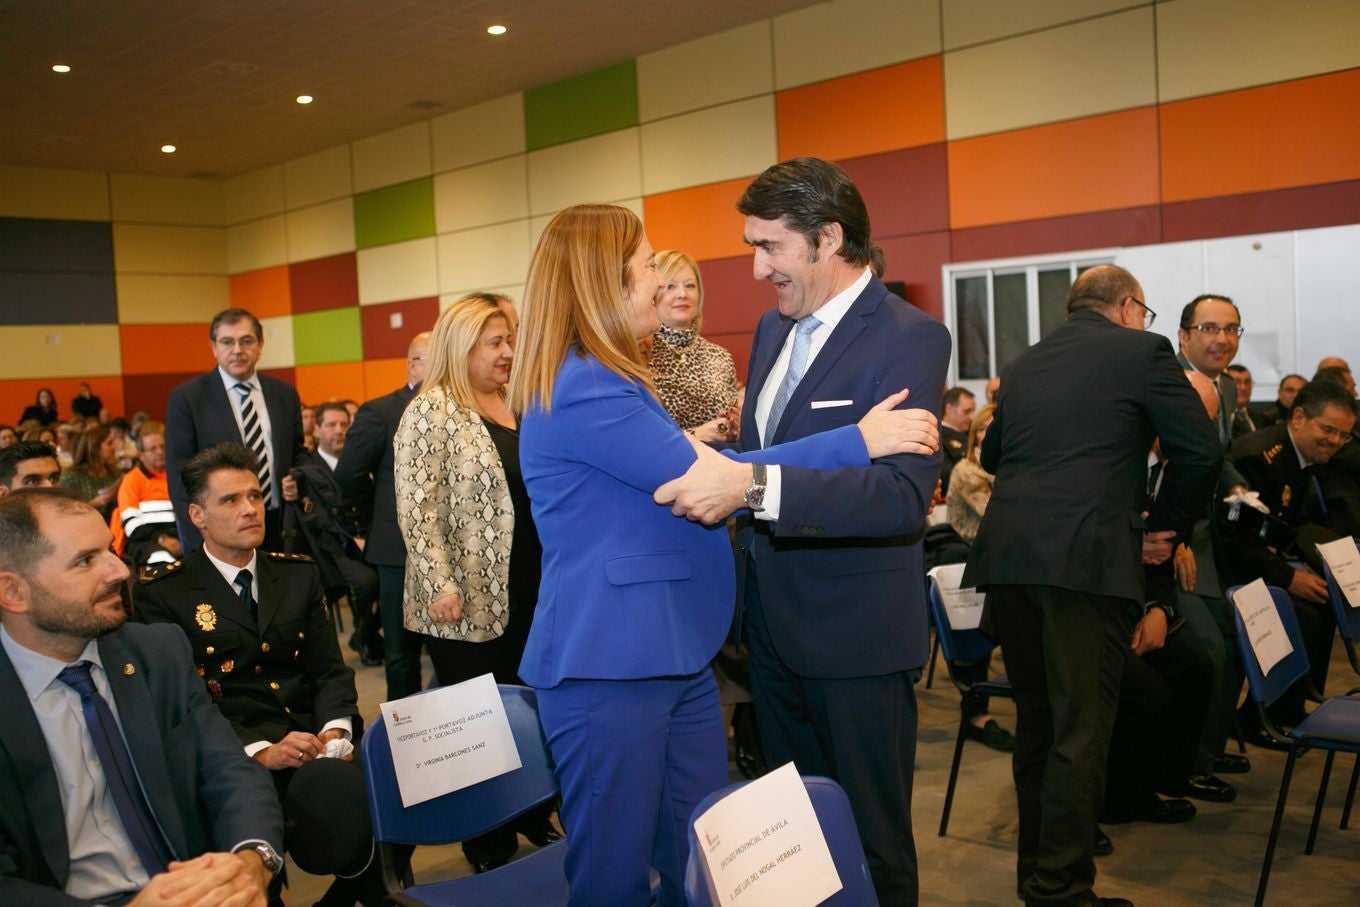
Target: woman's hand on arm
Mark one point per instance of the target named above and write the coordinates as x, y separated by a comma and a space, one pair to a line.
888, 431
446, 609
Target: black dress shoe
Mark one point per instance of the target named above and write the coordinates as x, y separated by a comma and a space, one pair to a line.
1231, 764
1207, 787
542, 837
1104, 846
1266, 742
371, 654
481, 866
1163, 812
992, 736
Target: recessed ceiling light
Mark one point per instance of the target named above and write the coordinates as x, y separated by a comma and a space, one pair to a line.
304, 99
60, 67
168, 149
496, 30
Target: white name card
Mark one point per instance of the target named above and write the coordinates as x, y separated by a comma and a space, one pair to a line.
1344, 561
963, 607
764, 847
449, 739
1266, 634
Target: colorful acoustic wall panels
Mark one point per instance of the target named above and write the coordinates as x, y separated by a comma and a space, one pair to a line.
975, 129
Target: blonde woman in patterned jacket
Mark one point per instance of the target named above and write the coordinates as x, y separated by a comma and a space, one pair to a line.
473, 558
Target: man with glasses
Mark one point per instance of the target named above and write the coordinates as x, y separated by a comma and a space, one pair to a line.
235, 403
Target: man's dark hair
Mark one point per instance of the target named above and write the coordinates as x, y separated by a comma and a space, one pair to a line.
21, 541
954, 394
320, 410
1332, 374
1287, 377
1100, 288
12, 456
203, 464
231, 316
1188, 313
120, 422
808, 193
1236, 369
1317, 395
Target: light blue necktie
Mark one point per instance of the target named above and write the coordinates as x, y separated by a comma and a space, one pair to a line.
798, 357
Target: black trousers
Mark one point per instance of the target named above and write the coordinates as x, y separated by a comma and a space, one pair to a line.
860, 731
1064, 655
401, 647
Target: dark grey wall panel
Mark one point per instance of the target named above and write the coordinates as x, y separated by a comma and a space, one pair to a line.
37, 298
55, 245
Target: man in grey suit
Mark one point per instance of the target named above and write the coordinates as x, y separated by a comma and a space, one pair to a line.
1061, 552
119, 780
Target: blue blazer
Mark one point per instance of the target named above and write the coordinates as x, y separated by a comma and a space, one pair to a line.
628, 591
841, 574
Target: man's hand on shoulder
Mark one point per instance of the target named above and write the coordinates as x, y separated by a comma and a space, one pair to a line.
888, 431
212, 880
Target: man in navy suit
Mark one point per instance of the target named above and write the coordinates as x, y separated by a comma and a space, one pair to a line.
235, 403
834, 591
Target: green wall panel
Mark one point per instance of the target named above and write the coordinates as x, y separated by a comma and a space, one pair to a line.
582, 106
320, 338
394, 213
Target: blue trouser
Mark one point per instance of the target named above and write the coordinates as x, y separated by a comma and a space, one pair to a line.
634, 758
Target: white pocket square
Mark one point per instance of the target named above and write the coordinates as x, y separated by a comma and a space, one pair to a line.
828, 404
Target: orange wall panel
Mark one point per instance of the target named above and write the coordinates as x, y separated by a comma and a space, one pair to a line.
886, 109
1297, 133
18, 393
1095, 163
158, 349
339, 381
382, 376
265, 292
702, 221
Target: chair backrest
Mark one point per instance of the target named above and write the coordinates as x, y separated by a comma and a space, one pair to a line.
1347, 618
964, 646
1266, 688
473, 810
837, 819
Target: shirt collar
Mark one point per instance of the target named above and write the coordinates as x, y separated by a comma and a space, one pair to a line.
36, 671
229, 381
1303, 461
229, 571
329, 460
833, 310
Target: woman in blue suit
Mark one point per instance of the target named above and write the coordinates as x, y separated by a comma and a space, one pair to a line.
634, 602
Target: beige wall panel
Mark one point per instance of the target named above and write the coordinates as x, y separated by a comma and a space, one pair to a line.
59, 350
723, 67
321, 230
482, 132
845, 36
719, 143
277, 351
403, 270
598, 169
1091, 67
258, 244
166, 200
1207, 46
392, 157
253, 195
480, 195
485, 257
539, 221
53, 194
170, 299
139, 249
974, 21
316, 178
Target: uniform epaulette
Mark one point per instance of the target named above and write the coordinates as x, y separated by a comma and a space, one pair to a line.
1272, 453
295, 558
152, 572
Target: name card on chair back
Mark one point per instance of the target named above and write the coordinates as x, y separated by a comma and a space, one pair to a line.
449, 739
1344, 561
764, 847
1266, 634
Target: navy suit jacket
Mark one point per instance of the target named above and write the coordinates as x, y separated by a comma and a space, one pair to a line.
365, 476
199, 415
628, 591
205, 791
841, 573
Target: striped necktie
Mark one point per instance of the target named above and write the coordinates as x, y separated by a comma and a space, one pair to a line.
253, 432
802, 342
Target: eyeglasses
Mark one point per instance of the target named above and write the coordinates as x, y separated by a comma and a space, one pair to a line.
1151, 315
1209, 328
1341, 437
248, 342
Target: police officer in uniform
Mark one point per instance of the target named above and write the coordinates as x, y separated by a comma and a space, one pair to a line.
267, 651
955, 420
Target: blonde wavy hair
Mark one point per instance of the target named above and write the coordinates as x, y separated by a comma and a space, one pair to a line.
670, 261
455, 333
576, 293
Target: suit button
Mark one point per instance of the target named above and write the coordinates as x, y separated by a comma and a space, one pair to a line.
259, 669
273, 684
264, 647
287, 711
301, 635
211, 650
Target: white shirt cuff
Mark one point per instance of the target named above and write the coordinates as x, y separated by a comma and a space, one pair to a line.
344, 724
773, 486
253, 748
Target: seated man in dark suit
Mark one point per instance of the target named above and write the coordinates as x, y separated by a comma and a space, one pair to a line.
1277, 410
266, 649
81, 693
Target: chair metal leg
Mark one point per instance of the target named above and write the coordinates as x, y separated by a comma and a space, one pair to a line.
953, 775
934, 652
1350, 795
1275, 826
1321, 798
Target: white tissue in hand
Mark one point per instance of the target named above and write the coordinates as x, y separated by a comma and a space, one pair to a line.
1250, 498
338, 748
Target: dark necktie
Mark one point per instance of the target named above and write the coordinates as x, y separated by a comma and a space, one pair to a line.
253, 432
243, 580
802, 342
138, 820
1154, 473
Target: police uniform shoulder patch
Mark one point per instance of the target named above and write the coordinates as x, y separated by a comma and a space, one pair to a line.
289, 558
149, 573
1273, 452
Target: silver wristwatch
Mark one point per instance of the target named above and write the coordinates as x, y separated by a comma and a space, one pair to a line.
755, 495
268, 855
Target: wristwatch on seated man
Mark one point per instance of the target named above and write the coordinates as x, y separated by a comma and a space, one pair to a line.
267, 854
755, 495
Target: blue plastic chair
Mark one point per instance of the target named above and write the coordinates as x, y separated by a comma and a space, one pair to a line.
1348, 627
842, 837
1334, 726
538, 878
963, 647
